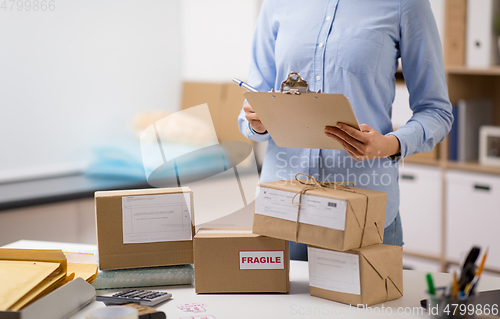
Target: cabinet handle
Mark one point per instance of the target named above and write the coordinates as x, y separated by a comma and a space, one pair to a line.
409, 177
482, 187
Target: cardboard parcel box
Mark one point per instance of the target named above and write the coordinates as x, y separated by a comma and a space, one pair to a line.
338, 219
363, 276
225, 101
237, 261
144, 228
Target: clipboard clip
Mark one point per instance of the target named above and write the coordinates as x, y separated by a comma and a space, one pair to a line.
294, 84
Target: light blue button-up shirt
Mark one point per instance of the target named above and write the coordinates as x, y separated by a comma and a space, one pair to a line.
352, 47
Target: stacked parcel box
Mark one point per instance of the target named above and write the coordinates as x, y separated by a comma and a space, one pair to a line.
344, 229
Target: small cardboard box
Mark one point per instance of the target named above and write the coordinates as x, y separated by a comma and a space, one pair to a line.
338, 219
225, 101
363, 276
144, 228
238, 261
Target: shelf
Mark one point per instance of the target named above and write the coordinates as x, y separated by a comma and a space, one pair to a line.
473, 167
463, 70
463, 166
422, 256
421, 161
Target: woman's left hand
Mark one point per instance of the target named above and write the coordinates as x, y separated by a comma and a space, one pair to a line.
363, 145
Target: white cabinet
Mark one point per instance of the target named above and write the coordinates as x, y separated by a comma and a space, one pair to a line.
420, 209
473, 215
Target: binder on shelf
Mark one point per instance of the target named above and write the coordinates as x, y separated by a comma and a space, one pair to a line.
472, 114
455, 30
453, 136
481, 44
438, 9
297, 117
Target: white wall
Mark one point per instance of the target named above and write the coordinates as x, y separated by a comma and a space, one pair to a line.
75, 76
216, 38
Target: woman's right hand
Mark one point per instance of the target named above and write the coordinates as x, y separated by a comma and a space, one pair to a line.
253, 119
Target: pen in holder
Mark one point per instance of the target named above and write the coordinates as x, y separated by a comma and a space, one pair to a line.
443, 306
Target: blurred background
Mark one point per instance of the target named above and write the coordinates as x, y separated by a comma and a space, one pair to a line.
76, 76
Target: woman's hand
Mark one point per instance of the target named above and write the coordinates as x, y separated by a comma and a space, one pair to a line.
254, 120
363, 145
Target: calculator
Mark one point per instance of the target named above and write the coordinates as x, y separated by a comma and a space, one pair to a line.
139, 296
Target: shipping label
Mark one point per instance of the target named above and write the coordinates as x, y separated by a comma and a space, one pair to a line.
156, 218
314, 210
333, 270
268, 259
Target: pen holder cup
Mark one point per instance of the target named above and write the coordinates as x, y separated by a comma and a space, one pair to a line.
442, 307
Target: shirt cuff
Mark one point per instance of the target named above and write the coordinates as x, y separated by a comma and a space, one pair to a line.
396, 158
256, 136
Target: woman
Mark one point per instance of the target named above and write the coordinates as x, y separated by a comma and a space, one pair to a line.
352, 47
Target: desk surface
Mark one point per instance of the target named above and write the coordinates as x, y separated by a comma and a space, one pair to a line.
296, 304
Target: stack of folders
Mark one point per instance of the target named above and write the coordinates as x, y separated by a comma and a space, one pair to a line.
27, 275
469, 116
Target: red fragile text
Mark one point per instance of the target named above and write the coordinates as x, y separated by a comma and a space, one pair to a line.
261, 260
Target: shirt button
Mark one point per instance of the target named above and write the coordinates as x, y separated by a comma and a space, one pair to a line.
318, 78
328, 18
320, 45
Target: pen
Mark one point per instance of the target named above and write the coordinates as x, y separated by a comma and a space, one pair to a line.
468, 269
245, 85
481, 266
474, 281
430, 283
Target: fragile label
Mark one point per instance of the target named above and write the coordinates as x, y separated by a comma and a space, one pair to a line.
333, 270
314, 210
269, 259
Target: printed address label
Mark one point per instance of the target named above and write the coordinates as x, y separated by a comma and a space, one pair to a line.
269, 259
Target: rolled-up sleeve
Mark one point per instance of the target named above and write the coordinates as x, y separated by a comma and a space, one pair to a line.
423, 70
262, 74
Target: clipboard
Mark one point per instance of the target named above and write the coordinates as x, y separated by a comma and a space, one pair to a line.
296, 117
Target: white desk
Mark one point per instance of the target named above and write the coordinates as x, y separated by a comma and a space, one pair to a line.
296, 304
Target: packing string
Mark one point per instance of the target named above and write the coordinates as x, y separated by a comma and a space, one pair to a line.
312, 183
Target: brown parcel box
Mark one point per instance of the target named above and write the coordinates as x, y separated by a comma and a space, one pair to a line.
363, 276
224, 262
324, 210
224, 100
115, 254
